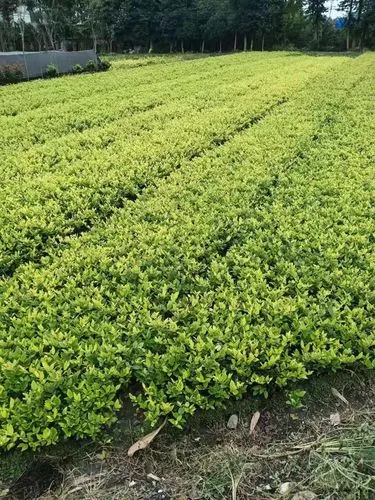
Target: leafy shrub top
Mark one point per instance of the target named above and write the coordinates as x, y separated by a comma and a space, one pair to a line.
241, 258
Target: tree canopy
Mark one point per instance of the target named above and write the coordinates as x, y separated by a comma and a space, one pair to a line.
178, 25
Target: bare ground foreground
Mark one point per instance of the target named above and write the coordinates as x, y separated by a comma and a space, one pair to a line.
326, 449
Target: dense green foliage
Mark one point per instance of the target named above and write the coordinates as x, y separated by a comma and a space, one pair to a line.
178, 117
210, 234
179, 25
10, 73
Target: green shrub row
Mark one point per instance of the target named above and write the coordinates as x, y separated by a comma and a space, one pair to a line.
121, 95
249, 267
12, 73
119, 108
92, 66
75, 195
123, 83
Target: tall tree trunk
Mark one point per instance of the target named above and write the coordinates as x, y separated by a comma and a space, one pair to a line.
182, 47
48, 19
235, 42
51, 41
45, 42
2, 41
263, 43
316, 35
221, 47
245, 43
202, 46
151, 48
94, 40
22, 28
360, 24
350, 15
361, 37
170, 47
23, 40
252, 44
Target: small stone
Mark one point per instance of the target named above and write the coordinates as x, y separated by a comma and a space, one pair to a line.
335, 419
233, 422
286, 488
152, 477
305, 495
132, 484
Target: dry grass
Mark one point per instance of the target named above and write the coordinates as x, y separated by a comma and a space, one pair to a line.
332, 462
210, 462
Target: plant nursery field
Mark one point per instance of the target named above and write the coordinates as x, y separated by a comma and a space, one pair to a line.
182, 232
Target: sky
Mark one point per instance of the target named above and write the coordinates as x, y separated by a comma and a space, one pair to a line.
333, 4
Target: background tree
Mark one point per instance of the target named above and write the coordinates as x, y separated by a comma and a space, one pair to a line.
349, 6
293, 23
360, 21
172, 17
316, 10
246, 17
7, 32
138, 21
366, 23
213, 18
183, 25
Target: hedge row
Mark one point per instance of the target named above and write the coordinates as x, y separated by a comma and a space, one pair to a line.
81, 112
40, 131
39, 93
49, 196
249, 266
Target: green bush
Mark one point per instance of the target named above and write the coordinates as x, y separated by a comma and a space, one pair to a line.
51, 71
104, 65
77, 68
91, 66
249, 266
10, 73
164, 152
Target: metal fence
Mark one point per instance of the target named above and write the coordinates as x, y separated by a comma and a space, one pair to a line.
34, 64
